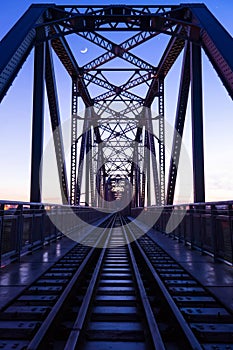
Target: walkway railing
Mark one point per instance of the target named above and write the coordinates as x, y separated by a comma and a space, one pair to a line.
25, 226
207, 227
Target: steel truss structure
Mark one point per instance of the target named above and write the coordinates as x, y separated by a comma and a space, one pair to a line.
117, 151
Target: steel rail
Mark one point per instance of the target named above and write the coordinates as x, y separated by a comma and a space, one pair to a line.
39, 336
82, 314
152, 324
194, 343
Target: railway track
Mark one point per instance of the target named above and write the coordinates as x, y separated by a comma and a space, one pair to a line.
123, 296
194, 306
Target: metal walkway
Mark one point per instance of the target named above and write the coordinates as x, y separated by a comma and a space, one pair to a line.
31, 293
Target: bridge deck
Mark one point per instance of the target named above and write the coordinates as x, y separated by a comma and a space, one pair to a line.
16, 276
217, 277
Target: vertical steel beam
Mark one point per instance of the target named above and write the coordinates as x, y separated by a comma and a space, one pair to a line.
140, 178
132, 182
138, 185
88, 167
161, 139
146, 191
135, 171
80, 168
105, 189
56, 123
98, 176
73, 160
179, 124
83, 152
136, 177
151, 148
145, 169
99, 169
148, 180
102, 186
37, 122
142, 197
156, 183
133, 176
91, 162
197, 124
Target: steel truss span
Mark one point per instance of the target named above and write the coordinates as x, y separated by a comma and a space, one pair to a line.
117, 158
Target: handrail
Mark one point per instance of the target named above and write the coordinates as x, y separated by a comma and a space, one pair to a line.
27, 226
207, 227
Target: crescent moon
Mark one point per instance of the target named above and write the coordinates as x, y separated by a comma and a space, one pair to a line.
84, 50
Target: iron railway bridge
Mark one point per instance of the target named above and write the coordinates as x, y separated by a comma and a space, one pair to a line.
142, 290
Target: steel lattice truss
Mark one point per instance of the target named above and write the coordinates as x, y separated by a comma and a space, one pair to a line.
117, 145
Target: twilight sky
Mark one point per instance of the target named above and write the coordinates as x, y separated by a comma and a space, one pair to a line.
16, 108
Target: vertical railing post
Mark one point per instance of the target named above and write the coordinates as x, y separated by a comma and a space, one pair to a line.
214, 231
33, 226
19, 228
191, 211
42, 223
230, 215
202, 210
173, 210
200, 227
192, 231
57, 219
181, 223
1, 230
30, 230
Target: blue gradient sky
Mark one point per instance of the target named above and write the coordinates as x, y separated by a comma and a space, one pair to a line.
16, 109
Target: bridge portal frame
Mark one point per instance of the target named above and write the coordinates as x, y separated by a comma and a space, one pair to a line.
45, 26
